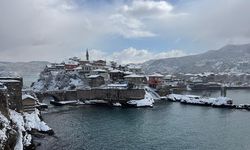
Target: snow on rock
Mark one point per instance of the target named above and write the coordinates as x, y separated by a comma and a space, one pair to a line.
117, 104
26, 122
148, 101
154, 95
177, 97
27, 139
194, 99
4, 123
222, 101
17, 118
59, 80
32, 121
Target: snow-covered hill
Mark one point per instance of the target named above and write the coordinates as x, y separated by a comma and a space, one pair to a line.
59, 80
230, 58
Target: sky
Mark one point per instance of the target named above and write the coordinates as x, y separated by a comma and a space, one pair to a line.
127, 31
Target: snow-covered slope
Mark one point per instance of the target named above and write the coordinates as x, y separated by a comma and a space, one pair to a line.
230, 58
148, 101
59, 80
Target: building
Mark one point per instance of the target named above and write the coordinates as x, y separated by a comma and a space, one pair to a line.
29, 103
99, 63
14, 90
137, 81
116, 75
70, 65
102, 73
54, 67
96, 80
136, 69
155, 79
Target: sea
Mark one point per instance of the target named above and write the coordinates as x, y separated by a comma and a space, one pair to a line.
166, 126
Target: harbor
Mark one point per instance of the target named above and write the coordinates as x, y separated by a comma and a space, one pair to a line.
167, 125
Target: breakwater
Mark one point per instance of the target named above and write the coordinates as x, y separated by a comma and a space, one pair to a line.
112, 95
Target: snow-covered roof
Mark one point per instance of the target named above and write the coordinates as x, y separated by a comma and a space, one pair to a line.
156, 75
4, 81
87, 64
128, 72
49, 65
78, 68
116, 71
71, 62
168, 77
27, 96
117, 85
134, 76
59, 65
93, 76
99, 70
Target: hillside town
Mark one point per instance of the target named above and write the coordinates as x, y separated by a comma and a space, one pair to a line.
82, 74
97, 82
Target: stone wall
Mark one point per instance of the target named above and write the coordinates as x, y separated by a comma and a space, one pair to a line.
111, 94
14, 90
4, 102
96, 94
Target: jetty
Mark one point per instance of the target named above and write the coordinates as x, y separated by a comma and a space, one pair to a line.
221, 102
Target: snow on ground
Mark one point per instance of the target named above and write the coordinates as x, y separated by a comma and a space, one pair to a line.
154, 95
147, 101
32, 121
193, 99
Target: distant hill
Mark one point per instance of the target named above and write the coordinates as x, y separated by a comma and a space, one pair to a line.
230, 58
28, 70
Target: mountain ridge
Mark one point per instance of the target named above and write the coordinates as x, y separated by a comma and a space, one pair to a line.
230, 58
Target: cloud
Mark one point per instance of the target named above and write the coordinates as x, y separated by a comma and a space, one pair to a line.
129, 27
133, 55
132, 20
210, 23
55, 29
145, 9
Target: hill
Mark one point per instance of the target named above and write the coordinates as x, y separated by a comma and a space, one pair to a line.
230, 58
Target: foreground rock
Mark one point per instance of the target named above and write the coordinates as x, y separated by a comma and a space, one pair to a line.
17, 130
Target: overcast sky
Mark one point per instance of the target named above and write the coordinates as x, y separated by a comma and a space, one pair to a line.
125, 30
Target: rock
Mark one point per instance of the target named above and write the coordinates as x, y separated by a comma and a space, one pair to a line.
12, 137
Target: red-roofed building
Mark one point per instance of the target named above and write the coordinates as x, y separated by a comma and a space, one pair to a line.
155, 79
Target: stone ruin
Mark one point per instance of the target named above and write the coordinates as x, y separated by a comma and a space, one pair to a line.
10, 94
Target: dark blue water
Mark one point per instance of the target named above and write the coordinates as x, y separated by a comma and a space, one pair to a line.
165, 126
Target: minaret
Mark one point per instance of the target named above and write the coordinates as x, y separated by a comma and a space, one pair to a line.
87, 55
